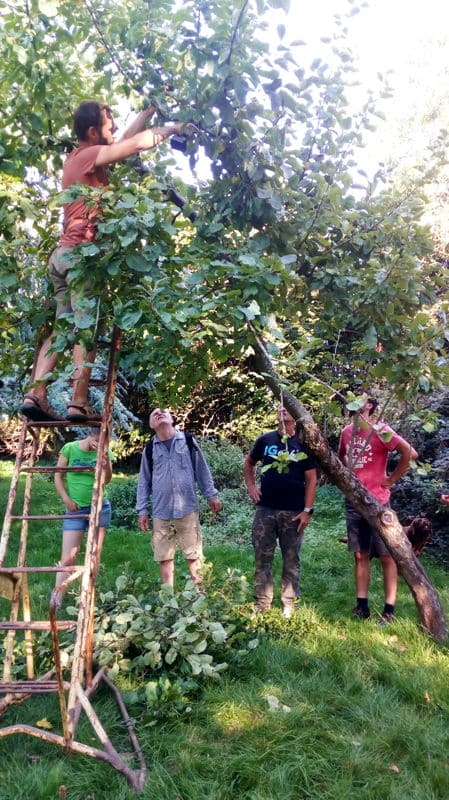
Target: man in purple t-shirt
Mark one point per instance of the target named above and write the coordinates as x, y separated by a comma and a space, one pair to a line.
364, 447
88, 164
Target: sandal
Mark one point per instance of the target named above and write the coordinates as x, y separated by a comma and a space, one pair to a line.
38, 409
84, 413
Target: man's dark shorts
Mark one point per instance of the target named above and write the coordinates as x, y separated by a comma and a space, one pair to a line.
362, 537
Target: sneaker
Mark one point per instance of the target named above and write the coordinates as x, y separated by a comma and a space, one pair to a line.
361, 613
288, 612
385, 619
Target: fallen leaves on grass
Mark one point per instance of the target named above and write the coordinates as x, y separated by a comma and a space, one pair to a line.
44, 723
274, 704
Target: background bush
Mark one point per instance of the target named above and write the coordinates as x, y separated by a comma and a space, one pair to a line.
225, 461
122, 494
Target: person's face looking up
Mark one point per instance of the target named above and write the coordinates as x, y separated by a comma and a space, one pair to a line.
160, 416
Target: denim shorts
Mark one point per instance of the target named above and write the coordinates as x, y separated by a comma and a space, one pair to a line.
71, 524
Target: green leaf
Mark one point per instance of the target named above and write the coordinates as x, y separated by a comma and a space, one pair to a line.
90, 250
252, 311
385, 435
357, 404
127, 200
123, 619
200, 647
121, 583
424, 383
137, 262
127, 319
171, 656
370, 338
281, 31
128, 237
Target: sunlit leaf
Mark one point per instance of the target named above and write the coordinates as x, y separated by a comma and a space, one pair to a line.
44, 723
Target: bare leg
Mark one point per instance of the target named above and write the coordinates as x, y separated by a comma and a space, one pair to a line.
71, 541
390, 572
45, 363
194, 569
362, 573
81, 376
167, 569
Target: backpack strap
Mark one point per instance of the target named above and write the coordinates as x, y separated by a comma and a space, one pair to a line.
189, 442
149, 453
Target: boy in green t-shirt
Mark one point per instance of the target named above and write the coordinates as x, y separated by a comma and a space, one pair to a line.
75, 490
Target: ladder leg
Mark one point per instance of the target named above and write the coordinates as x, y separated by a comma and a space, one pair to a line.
83, 636
73, 696
20, 587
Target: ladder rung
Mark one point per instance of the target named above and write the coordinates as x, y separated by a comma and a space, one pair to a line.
14, 570
92, 382
57, 469
37, 625
30, 687
48, 516
64, 423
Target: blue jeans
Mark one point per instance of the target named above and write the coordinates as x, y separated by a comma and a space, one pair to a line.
70, 524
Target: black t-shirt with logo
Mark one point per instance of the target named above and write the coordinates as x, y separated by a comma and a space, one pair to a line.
281, 490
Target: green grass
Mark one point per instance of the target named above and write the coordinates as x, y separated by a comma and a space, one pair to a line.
368, 707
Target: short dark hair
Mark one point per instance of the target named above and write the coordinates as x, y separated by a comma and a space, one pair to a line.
374, 404
88, 115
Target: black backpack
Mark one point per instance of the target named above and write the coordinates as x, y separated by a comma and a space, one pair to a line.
190, 444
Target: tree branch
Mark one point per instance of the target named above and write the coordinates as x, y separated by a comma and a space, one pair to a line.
108, 47
235, 31
383, 519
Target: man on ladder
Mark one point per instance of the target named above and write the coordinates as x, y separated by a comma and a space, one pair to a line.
87, 164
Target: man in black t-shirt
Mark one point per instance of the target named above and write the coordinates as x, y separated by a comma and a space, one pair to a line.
284, 507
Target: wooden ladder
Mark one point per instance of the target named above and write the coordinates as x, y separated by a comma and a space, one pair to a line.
74, 691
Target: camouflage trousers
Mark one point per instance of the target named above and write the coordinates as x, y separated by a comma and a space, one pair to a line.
270, 526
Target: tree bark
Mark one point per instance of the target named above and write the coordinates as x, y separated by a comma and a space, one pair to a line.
383, 519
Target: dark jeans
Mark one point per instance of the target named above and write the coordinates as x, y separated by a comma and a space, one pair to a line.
269, 526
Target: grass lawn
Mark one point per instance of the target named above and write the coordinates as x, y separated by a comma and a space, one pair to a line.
363, 711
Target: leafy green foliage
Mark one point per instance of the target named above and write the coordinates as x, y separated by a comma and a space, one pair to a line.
232, 526
122, 494
339, 680
169, 643
334, 269
225, 461
281, 462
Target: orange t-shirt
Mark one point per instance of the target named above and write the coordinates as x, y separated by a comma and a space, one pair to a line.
79, 220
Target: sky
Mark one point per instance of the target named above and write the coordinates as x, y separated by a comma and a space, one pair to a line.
405, 40
385, 34
401, 39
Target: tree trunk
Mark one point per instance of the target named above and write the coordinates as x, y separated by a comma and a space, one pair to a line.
383, 519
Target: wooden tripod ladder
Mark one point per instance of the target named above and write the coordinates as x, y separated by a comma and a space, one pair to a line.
74, 693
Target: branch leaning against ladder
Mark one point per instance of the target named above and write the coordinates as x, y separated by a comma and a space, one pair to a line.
74, 692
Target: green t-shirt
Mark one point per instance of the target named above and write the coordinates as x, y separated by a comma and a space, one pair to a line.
80, 484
